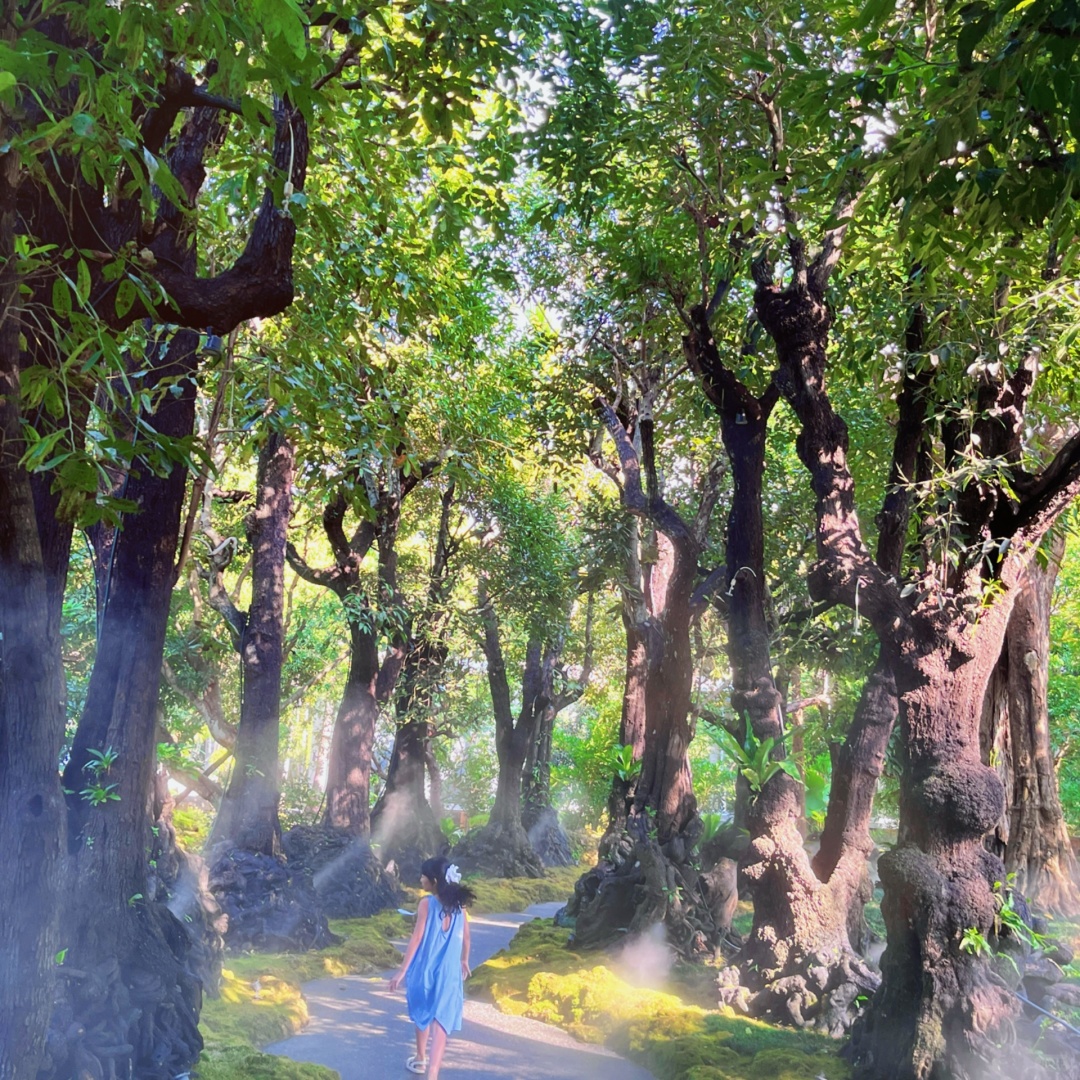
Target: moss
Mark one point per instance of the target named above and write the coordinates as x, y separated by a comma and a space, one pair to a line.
367, 948
517, 894
239, 1063
540, 977
744, 918
252, 1011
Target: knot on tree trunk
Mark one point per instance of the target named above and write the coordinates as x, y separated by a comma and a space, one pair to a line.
962, 799
760, 700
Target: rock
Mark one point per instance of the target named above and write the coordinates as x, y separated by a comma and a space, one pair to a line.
1059, 952
1040, 973
1068, 993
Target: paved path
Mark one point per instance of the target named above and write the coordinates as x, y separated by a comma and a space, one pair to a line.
359, 1028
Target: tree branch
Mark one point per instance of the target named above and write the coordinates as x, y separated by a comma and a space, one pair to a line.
328, 579
656, 510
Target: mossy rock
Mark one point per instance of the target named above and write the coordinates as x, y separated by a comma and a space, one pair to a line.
241, 1063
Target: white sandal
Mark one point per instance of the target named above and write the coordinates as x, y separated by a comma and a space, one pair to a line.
415, 1064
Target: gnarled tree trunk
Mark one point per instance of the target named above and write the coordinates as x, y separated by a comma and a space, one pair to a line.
371, 678
940, 1008
248, 815
136, 1002
647, 874
797, 964
1031, 837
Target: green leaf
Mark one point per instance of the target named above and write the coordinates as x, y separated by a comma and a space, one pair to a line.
61, 298
126, 295
82, 282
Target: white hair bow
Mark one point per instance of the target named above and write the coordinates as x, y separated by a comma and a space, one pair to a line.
453, 874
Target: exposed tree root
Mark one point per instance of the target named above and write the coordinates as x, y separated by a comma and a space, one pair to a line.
347, 876
636, 886
499, 851
548, 838
135, 1012
270, 907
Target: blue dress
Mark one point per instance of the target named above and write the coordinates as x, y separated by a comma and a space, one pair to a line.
434, 989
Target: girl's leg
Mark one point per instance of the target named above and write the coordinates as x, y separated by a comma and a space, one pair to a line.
421, 1043
438, 1048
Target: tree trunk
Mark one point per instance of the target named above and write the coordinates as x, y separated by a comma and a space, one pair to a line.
31, 712
940, 1008
936, 1000
646, 873
632, 717
403, 821
1031, 837
664, 792
502, 847
248, 816
140, 1012
348, 779
857, 767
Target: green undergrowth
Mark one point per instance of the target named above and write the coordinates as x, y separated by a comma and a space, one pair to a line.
517, 894
539, 977
238, 1063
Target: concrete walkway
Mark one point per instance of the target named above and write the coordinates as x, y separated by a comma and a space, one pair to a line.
359, 1028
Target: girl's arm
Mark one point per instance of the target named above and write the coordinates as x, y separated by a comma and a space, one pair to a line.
465, 970
414, 944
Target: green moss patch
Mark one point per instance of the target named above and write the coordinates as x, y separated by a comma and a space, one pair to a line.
237, 1063
517, 894
366, 949
252, 1011
540, 977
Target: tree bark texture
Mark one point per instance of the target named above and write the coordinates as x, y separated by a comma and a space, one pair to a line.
646, 873
348, 776
632, 715
32, 825
248, 815
33, 570
1032, 837
939, 1007
403, 821
371, 679
113, 925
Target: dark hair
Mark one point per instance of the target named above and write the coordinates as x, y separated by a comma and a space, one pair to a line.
453, 896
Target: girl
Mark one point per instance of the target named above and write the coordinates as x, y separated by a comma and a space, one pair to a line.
436, 963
